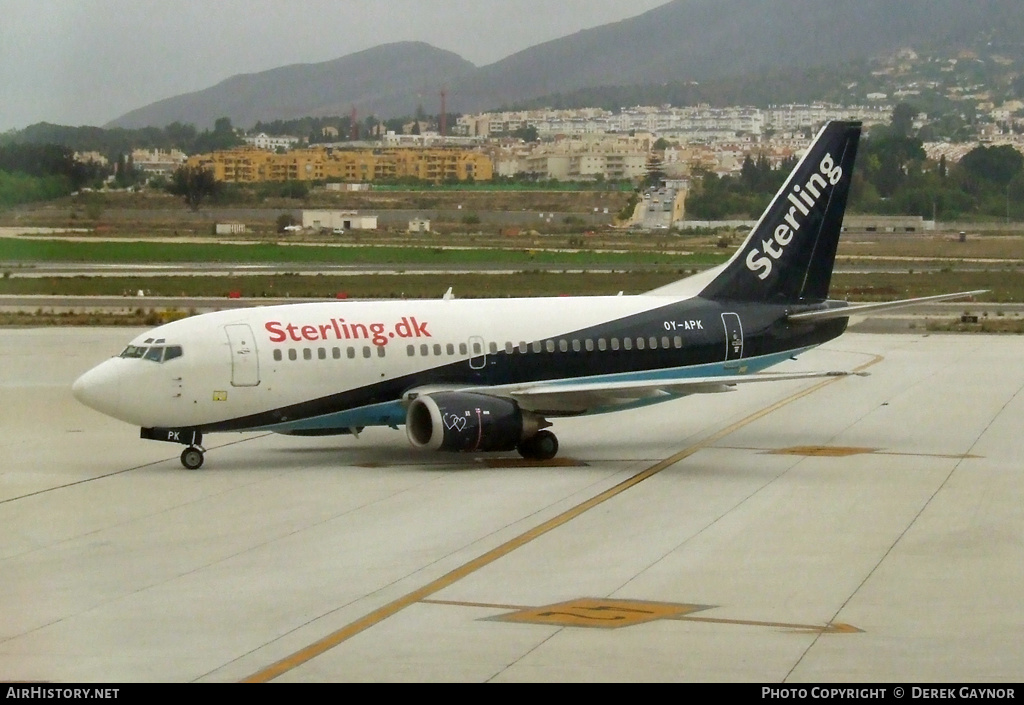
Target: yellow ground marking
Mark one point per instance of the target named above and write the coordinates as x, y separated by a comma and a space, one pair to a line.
832, 628
609, 613
524, 463
603, 613
822, 451
843, 451
378, 615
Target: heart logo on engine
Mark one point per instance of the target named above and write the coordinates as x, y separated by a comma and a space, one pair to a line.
452, 421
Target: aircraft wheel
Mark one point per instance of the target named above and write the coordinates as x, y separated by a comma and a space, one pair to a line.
543, 446
192, 458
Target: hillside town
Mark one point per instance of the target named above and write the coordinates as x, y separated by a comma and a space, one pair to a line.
586, 144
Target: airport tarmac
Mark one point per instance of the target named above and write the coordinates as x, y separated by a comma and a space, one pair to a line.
858, 529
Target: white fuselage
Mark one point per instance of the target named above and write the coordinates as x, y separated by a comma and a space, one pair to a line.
244, 362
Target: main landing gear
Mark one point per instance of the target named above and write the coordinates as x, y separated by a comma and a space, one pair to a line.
543, 445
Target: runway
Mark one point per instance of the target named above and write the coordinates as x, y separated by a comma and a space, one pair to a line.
860, 529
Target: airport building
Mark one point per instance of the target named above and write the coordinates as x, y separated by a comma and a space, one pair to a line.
337, 221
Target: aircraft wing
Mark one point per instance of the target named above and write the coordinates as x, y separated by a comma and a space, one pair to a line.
576, 397
867, 309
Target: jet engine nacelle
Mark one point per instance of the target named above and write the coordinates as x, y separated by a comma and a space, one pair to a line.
462, 421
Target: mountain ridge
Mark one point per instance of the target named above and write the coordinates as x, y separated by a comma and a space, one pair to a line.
683, 40
298, 90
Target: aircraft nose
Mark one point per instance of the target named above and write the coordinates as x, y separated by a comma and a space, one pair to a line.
99, 389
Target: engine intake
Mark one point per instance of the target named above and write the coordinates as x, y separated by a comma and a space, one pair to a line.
462, 421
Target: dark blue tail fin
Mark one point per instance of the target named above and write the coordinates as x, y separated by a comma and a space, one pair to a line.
789, 254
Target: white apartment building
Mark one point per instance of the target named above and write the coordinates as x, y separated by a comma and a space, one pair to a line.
265, 141
700, 123
91, 158
589, 157
158, 162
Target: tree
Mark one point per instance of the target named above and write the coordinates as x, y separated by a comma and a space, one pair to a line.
285, 220
193, 183
654, 171
222, 137
125, 174
998, 165
903, 119
526, 134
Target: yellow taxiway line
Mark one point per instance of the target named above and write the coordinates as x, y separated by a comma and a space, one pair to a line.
328, 642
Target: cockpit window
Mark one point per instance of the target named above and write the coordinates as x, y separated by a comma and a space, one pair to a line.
156, 353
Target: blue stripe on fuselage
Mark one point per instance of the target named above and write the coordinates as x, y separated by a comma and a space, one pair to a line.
392, 413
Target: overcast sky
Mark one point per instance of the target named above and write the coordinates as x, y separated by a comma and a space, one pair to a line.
86, 62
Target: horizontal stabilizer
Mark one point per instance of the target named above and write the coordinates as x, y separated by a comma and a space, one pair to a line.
867, 309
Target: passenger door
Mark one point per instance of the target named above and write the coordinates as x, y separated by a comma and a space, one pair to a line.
245, 363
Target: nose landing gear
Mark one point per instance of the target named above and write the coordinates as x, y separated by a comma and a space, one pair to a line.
192, 457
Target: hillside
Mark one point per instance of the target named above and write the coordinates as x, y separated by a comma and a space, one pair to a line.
682, 43
388, 79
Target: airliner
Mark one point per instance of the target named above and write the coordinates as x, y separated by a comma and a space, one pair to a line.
488, 375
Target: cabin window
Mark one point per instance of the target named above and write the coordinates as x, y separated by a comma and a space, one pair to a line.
292, 355
536, 346
381, 350
307, 354
664, 342
463, 349
602, 344
615, 343
640, 344
627, 343
522, 346
550, 346
493, 347
450, 349
677, 341
589, 344
336, 353
437, 348
575, 345
277, 355
563, 345
424, 349
321, 353
366, 351
652, 343
351, 353
410, 350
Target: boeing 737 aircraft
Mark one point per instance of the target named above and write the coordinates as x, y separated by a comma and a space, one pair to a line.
488, 375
